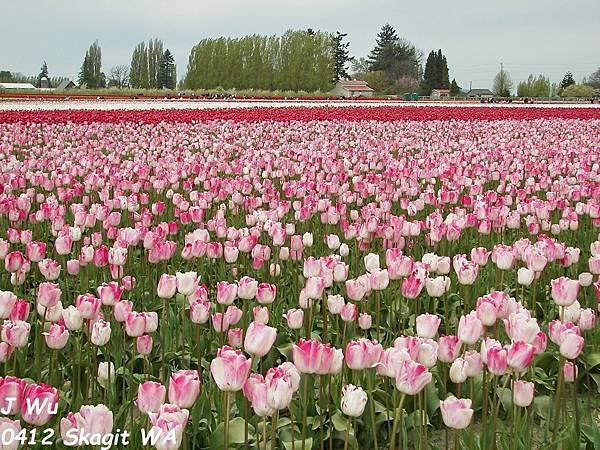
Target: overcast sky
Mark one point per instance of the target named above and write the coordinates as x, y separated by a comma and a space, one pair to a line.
528, 36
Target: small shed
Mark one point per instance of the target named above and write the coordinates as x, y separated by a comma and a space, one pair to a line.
66, 85
480, 93
352, 89
16, 86
440, 93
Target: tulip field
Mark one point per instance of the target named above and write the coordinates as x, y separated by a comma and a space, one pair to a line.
302, 277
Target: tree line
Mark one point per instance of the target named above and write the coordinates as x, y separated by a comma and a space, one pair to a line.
296, 61
299, 60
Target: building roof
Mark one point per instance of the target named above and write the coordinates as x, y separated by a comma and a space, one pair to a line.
16, 86
64, 84
474, 92
443, 91
355, 85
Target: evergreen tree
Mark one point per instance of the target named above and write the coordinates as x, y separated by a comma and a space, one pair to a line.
567, 81
396, 57
435, 75
91, 70
384, 48
342, 57
454, 88
43, 74
167, 73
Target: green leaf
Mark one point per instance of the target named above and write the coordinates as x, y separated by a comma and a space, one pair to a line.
593, 360
340, 422
298, 444
543, 406
236, 433
592, 434
505, 396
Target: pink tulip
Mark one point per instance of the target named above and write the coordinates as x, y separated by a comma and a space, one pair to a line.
45, 397
230, 369
294, 318
310, 356
365, 321
473, 363
281, 383
349, 312
487, 311
503, 256
121, 310
362, 354
570, 372
522, 393
13, 261
56, 337
571, 345
169, 421
143, 344
470, 328
220, 322
150, 396
186, 282
88, 306
259, 339
497, 360
448, 348
135, 324
247, 288
480, 255
255, 390
10, 427
167, 286
436, 287
354, 400
520, 355
109, 293
235, 337
427, 325
11, 387
200, 311
458, 371
467, 272
184, 388
73, 267
90, 420
15, 333
7, 303
456, 413
48, 294
314, 287
390, 361
265, 293
226, 292
100, 334
35, 251
564, 291
412, 287
412, 377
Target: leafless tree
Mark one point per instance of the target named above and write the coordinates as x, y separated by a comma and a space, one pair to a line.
503, 84
118, 76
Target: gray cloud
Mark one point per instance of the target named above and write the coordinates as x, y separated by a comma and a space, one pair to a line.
535, 36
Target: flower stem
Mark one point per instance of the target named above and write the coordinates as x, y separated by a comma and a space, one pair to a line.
226, 421
305, 410
397, 416
274, 431
372, 407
